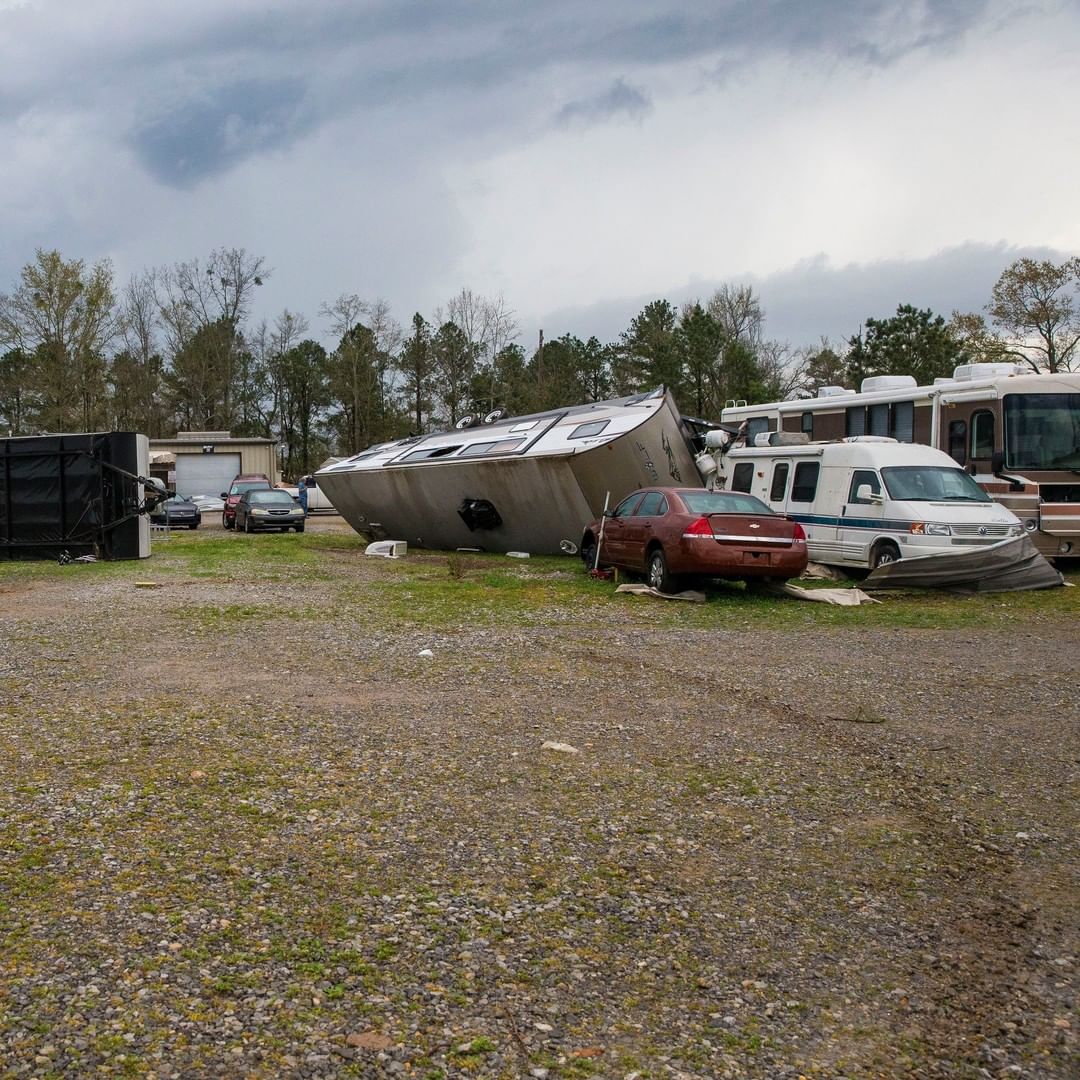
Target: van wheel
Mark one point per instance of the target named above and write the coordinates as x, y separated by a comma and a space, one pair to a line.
884, 553
660, 578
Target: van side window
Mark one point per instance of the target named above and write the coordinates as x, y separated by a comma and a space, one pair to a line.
779, 482
958, 441
807, 424
860, 477
903, 421
855, 422
743, 476
804, 486
982, 435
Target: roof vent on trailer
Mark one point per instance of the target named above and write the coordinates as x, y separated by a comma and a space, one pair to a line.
966, 372
876, 383
833, 391
782, 438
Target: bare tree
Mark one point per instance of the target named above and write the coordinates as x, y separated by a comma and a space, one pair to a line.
195, 297
738, 311
488, 325
1036, 306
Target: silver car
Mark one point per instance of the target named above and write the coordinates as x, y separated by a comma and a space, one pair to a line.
269, 508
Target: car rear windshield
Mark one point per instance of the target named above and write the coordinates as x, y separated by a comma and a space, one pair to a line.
272, 498
247, 485
723, 502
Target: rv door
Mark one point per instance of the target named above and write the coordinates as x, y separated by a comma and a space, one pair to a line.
861, 519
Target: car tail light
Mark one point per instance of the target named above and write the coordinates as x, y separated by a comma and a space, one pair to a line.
798, 533
701, 527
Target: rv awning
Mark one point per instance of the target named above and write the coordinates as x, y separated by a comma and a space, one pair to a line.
1011, 566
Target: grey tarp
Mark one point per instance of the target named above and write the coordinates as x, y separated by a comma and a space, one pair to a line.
1011, 566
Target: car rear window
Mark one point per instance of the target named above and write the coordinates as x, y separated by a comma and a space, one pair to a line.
248, 485
723, 502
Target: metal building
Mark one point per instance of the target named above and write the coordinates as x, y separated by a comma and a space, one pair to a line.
203, 462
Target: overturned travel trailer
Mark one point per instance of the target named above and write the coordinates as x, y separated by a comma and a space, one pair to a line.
75, 495
524, 483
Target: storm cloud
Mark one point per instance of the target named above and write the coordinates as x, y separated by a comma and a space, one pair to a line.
576, 158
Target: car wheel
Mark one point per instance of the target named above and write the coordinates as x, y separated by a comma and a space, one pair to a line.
884, 553
225, 523
299, 528
660, 578
247, 525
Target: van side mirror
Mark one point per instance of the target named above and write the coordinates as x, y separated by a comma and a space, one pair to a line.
997, 462
864, 493
224, 494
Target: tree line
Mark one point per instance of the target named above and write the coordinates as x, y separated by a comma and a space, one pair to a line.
176, 349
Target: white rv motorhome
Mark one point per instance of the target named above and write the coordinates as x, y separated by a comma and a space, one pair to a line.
1017, 433
866, 501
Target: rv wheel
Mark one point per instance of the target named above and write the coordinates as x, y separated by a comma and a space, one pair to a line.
886, 552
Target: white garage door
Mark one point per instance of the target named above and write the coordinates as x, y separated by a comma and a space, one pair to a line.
205, 474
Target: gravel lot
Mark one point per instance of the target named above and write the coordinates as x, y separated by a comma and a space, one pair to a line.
248, 830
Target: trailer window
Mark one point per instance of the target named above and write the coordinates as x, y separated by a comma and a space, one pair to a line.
958, 441
743, 476
804, 486
585, 431
982, 435
807, 424
903, 421
755, 427
779, 481
855, 421
879, 419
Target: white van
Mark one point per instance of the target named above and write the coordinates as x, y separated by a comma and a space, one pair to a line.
316, 497
867, 501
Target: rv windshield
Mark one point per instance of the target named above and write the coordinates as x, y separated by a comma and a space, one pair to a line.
1042, 431
931, 483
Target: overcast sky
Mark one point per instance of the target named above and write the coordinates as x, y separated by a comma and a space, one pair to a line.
581, 159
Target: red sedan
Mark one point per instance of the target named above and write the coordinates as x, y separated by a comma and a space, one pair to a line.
671, 533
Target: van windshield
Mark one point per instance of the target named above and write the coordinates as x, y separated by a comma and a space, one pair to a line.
931, 483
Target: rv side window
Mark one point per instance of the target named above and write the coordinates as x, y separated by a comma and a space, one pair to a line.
982, 435
879, 420
758, 426
804, 486
860, 477
958, 442
807, 423
903, 421
856, 420
779, 482
743, 476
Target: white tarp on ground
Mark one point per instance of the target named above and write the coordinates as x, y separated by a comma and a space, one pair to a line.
840, 597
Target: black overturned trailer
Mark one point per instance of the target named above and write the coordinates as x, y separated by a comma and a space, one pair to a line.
76, 494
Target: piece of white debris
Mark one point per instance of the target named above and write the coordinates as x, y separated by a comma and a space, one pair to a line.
425, 652
560, 747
